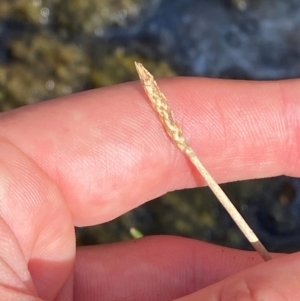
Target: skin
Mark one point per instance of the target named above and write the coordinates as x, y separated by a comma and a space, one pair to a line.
87, 158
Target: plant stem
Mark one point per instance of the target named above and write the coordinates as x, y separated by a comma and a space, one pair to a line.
160, 105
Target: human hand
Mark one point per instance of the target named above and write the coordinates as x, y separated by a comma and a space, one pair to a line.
89, 157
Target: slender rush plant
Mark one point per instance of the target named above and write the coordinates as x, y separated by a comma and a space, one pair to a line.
165, 114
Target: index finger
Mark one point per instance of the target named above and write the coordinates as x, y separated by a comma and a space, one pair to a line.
108, 152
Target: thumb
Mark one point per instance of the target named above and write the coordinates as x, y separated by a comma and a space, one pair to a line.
276, 280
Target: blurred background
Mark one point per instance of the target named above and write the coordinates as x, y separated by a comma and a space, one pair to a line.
50, 48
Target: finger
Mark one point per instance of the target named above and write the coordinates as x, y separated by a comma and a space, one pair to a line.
276, 280
108, 152
37, 245
154, 268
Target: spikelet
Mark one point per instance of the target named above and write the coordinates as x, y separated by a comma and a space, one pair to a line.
160, 105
